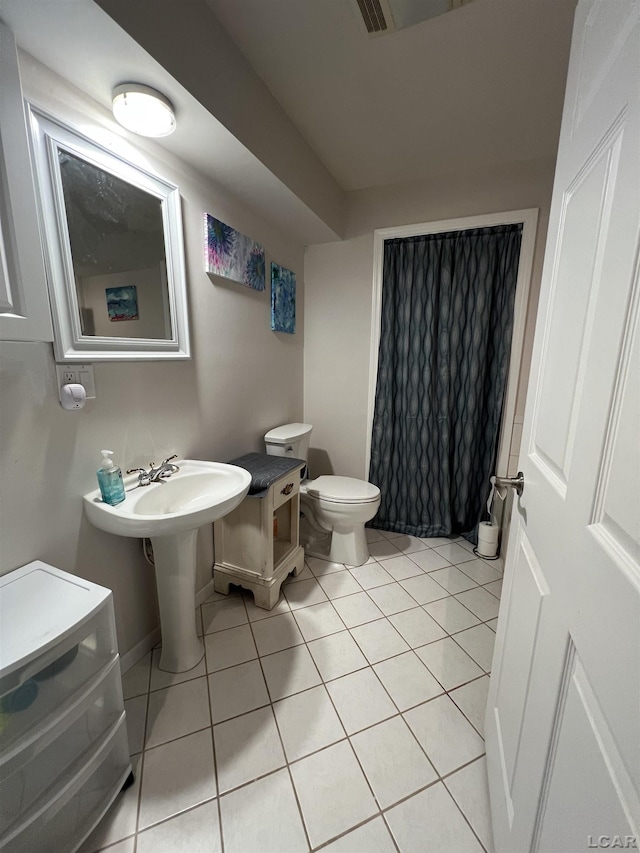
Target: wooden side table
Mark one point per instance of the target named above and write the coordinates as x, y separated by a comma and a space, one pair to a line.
258, 543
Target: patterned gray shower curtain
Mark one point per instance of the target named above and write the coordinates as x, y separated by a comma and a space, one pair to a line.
445, 340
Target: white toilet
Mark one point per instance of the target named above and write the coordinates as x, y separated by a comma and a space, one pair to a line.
335, 509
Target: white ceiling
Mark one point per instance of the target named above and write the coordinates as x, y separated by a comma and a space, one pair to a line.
478, 86
82, 44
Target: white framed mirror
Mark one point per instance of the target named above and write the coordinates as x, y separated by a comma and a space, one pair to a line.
113, 248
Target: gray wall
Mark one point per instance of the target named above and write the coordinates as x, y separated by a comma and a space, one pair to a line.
242, 380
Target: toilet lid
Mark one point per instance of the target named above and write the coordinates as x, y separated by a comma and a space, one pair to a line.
343, 490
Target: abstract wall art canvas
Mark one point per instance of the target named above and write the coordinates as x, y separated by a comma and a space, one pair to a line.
233, 255
283, 299
122, 303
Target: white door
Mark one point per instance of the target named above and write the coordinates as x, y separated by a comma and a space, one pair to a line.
563, 717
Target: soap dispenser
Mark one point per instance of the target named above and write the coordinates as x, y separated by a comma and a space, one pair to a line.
110, 480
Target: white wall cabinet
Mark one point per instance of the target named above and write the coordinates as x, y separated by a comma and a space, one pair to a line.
64, 753
24, 302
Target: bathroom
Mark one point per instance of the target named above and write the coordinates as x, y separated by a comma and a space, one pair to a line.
242, 379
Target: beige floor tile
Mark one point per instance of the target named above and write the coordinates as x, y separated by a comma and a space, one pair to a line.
357, 609
445, 734
273, 635
371, 575
479, 601
469, 788
289, 672
407, 680
263, 816
360, 700
218, 615
391, 598
451, 615
304, 594
247, 747
430, 821
392, 764
177, 711
177, 776
379, 640
478, 643
307, 722
319, 620
195, 831
332, 791
371, 836
230, 647
449, 663
237, 690
471, 698
336, 655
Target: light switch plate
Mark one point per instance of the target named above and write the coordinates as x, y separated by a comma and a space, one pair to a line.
82, 374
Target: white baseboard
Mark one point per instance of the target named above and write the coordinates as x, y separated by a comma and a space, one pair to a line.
139, 650
147, 643
204, 593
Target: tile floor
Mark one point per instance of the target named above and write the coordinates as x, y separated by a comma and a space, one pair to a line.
348, 718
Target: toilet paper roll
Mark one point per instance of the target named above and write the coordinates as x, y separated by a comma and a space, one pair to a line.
487, 539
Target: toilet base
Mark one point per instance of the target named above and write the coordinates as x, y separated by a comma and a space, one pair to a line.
349, 547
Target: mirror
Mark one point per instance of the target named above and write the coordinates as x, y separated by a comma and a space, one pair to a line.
117, 247
113, 242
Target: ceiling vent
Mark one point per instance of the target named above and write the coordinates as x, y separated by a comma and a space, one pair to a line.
385, 16
373, 16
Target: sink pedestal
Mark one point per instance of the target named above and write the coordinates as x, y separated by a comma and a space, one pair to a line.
170, 512
175, 564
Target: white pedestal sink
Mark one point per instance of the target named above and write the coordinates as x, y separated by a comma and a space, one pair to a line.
170, 512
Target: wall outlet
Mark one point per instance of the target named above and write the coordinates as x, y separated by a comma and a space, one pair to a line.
82, 374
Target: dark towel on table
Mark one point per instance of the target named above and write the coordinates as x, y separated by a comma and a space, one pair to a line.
265, 470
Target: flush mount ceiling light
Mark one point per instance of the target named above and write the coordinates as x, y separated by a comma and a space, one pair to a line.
143, 110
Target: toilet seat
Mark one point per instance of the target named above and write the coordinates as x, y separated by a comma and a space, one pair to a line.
341, 490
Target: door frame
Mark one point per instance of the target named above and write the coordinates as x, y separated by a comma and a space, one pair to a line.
529, 219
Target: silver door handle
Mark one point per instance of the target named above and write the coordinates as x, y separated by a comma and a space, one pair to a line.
516, 482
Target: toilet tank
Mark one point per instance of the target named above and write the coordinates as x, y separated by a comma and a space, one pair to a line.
289, 440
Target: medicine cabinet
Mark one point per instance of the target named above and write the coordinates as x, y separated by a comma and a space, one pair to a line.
24, 306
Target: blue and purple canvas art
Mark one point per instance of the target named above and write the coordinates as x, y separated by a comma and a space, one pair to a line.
233, 255
283, 299
122, 303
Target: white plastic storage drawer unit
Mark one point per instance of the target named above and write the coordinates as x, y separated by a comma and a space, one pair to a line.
64, 755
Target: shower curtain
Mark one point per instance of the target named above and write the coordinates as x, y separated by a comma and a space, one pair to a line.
445, 339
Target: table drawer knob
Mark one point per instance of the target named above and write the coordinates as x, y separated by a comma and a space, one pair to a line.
287, 489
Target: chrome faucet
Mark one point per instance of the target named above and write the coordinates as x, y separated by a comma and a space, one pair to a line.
155, 475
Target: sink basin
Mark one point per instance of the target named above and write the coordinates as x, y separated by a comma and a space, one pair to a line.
199, 493
169, 513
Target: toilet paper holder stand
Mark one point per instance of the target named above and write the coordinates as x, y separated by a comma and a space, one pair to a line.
516, 482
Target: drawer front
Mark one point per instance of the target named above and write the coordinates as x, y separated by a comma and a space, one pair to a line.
74, 811
31, 696
286, 488
38, 769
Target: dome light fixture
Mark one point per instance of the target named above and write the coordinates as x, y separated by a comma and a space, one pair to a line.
143, 110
